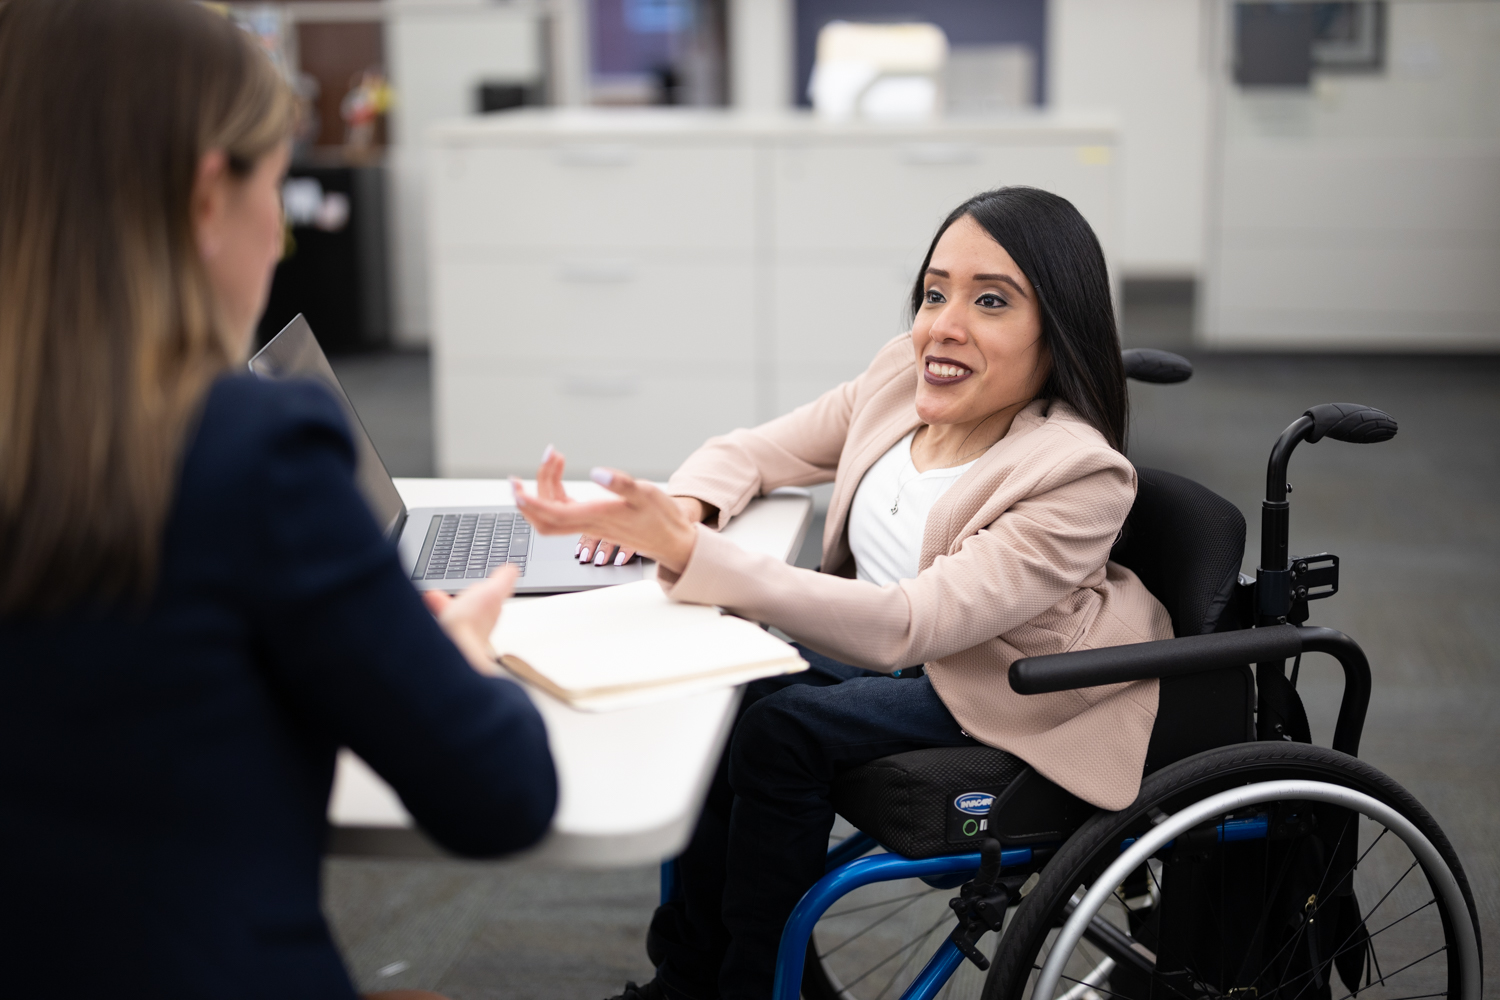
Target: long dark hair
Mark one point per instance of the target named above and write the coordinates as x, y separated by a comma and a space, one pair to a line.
1059, 254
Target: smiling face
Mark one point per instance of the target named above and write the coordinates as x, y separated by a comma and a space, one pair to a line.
978, 335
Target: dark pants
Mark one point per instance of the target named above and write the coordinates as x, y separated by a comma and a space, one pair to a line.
761, 840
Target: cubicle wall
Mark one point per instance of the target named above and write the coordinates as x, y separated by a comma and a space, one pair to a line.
1362, 211
626, 285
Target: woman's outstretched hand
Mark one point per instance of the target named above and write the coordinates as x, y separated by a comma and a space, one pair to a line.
605, 552
470, 617
640, 519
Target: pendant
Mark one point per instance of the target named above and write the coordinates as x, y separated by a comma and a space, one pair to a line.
895, 504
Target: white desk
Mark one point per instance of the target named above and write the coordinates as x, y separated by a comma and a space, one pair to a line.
630, 782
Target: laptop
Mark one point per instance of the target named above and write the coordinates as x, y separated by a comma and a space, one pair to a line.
441, 548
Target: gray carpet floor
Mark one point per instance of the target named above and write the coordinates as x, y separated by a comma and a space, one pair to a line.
1416, 522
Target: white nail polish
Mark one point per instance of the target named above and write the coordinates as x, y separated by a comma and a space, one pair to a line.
577, 550
601, 476
547, 453
602, 557
620, 559
586, 554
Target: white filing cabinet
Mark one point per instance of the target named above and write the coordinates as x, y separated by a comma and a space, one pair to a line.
626, 284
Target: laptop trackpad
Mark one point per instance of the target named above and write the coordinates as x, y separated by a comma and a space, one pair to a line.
553, 569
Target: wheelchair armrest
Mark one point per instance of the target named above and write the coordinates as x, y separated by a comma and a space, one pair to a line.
1196, 653
1143, 660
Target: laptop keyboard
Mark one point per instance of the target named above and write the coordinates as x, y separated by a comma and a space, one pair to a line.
472, 546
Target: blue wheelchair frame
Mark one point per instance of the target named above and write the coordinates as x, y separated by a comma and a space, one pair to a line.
848, 869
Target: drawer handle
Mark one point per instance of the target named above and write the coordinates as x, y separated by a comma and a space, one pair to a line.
929, 154
596, 272
595, 155
600, 385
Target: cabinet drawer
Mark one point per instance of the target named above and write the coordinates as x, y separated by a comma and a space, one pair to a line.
497, 424
551, 307
609, 194
892, 195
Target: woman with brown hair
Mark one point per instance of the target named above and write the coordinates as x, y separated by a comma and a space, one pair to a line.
196, 607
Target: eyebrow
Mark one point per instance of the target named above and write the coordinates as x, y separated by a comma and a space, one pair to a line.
1004, 278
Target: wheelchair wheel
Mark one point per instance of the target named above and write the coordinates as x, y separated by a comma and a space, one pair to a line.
872, 943
1349, 890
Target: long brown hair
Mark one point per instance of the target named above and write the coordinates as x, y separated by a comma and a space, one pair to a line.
109, 329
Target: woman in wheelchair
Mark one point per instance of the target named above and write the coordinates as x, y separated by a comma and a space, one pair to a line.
979, 484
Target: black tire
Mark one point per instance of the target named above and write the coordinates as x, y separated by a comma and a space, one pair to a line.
1085, 856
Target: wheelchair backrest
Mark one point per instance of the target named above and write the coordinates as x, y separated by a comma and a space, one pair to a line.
1186, 543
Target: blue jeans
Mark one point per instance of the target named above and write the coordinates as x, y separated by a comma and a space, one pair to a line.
763, 834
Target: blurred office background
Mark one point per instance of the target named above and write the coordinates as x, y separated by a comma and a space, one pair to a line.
621, 226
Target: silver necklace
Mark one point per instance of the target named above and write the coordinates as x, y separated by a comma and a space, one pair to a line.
901, 485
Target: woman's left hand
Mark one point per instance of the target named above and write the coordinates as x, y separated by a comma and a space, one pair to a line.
642, 518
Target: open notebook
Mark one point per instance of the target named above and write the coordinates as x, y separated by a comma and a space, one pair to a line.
628, 645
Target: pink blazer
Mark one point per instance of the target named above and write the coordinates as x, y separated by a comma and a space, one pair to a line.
1014, 563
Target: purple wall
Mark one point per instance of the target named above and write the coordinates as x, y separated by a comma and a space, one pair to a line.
619, 49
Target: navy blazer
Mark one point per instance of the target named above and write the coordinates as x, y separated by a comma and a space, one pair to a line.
165, 770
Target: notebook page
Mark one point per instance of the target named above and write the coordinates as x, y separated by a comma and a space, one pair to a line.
618, 638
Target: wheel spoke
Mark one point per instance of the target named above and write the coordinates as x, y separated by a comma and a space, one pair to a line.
1317, 907
1342, 945
910, 957
1408, 965
1371, 911
1192, 974
1260, 924
897, 953
878, 903
1080, 982
1343, 950
1090, 982
870, 927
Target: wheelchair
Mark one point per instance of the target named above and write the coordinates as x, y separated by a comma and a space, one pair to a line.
1252, 865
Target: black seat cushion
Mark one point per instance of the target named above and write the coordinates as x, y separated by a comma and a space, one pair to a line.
945, 800
918, 803
929, 802
1186, 544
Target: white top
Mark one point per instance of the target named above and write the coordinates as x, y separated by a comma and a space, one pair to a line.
889, 514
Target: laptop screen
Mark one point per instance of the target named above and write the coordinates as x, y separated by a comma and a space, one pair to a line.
294, 353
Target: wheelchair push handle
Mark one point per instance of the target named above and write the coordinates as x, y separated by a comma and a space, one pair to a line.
1350, 422
1283, 585
1146, 364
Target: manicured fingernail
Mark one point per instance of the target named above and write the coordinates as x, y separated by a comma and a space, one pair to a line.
547, 453
602, 476
602, 557
577, 549
586, 554
620, 559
